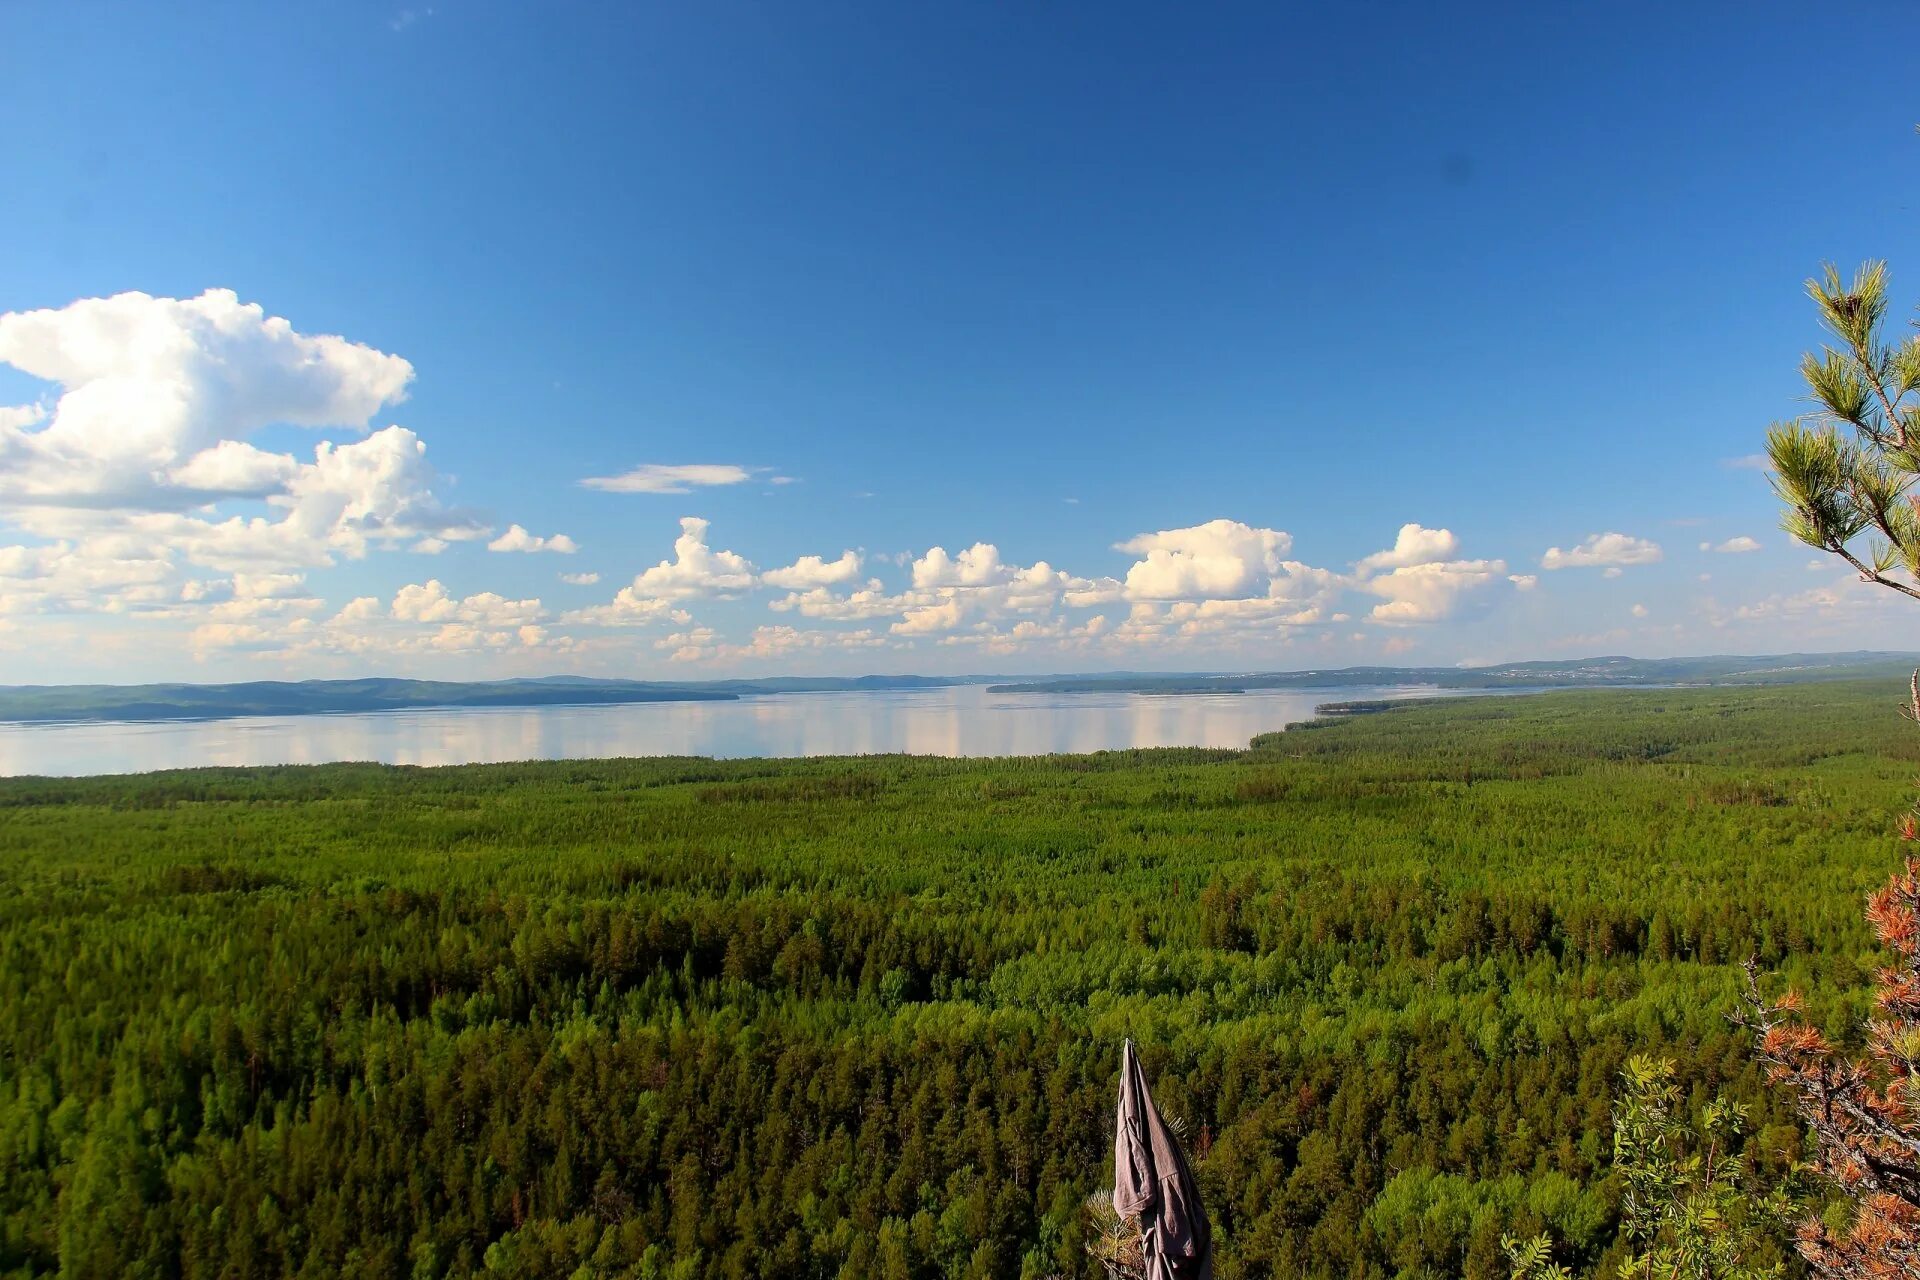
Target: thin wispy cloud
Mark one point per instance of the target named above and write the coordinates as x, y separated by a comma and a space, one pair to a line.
656, 477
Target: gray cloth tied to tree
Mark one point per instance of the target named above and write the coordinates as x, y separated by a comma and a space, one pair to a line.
1153, 1184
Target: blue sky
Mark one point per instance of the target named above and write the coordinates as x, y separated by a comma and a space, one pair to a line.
1197, 309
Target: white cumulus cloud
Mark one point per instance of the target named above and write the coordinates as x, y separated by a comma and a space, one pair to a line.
1602, 550
518, 539
872, 601
977, 566
156, 392
1217, 560
1414, 545
1430, 592
696, 570
1732, 546
144, 437
373, 492
810, 572
931, 618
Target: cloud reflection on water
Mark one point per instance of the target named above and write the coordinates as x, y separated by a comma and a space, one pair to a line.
959, 721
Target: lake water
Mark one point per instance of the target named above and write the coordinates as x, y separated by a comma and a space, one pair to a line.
964, 720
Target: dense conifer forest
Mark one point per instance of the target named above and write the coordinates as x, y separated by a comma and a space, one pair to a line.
861, 1018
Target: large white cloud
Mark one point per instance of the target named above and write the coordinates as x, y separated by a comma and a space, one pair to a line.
1091, 593
1297, 595
946, 591
629, 608
1430, 592
977, 566
977, 587
90, 576
244, 586
155, 393
234, 468
696, 570
1220, 583
143, 440
423, 620
1220, 559
976, 594
376, 492
1602, 550
430, 602
935, 616
872, 601
811, 572
1419, 582
242, 597
1415, 544
424, 602
1303, 584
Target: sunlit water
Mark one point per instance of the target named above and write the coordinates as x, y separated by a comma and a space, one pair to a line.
959, 721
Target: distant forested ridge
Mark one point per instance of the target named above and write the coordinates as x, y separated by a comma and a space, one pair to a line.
1786, 668
306, 697
861, 1018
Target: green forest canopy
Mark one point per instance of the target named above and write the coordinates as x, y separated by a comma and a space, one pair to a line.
832, 1017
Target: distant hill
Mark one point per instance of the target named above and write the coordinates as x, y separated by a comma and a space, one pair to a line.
309, 697
1783, 668
318, 697
312, 697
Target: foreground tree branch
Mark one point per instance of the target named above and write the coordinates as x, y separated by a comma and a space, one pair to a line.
1862, 1112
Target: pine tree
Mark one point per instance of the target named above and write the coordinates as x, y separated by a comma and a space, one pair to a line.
1689, 1209
1863, 1113
1838, 489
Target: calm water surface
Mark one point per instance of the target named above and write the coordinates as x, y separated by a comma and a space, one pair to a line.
961, 721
